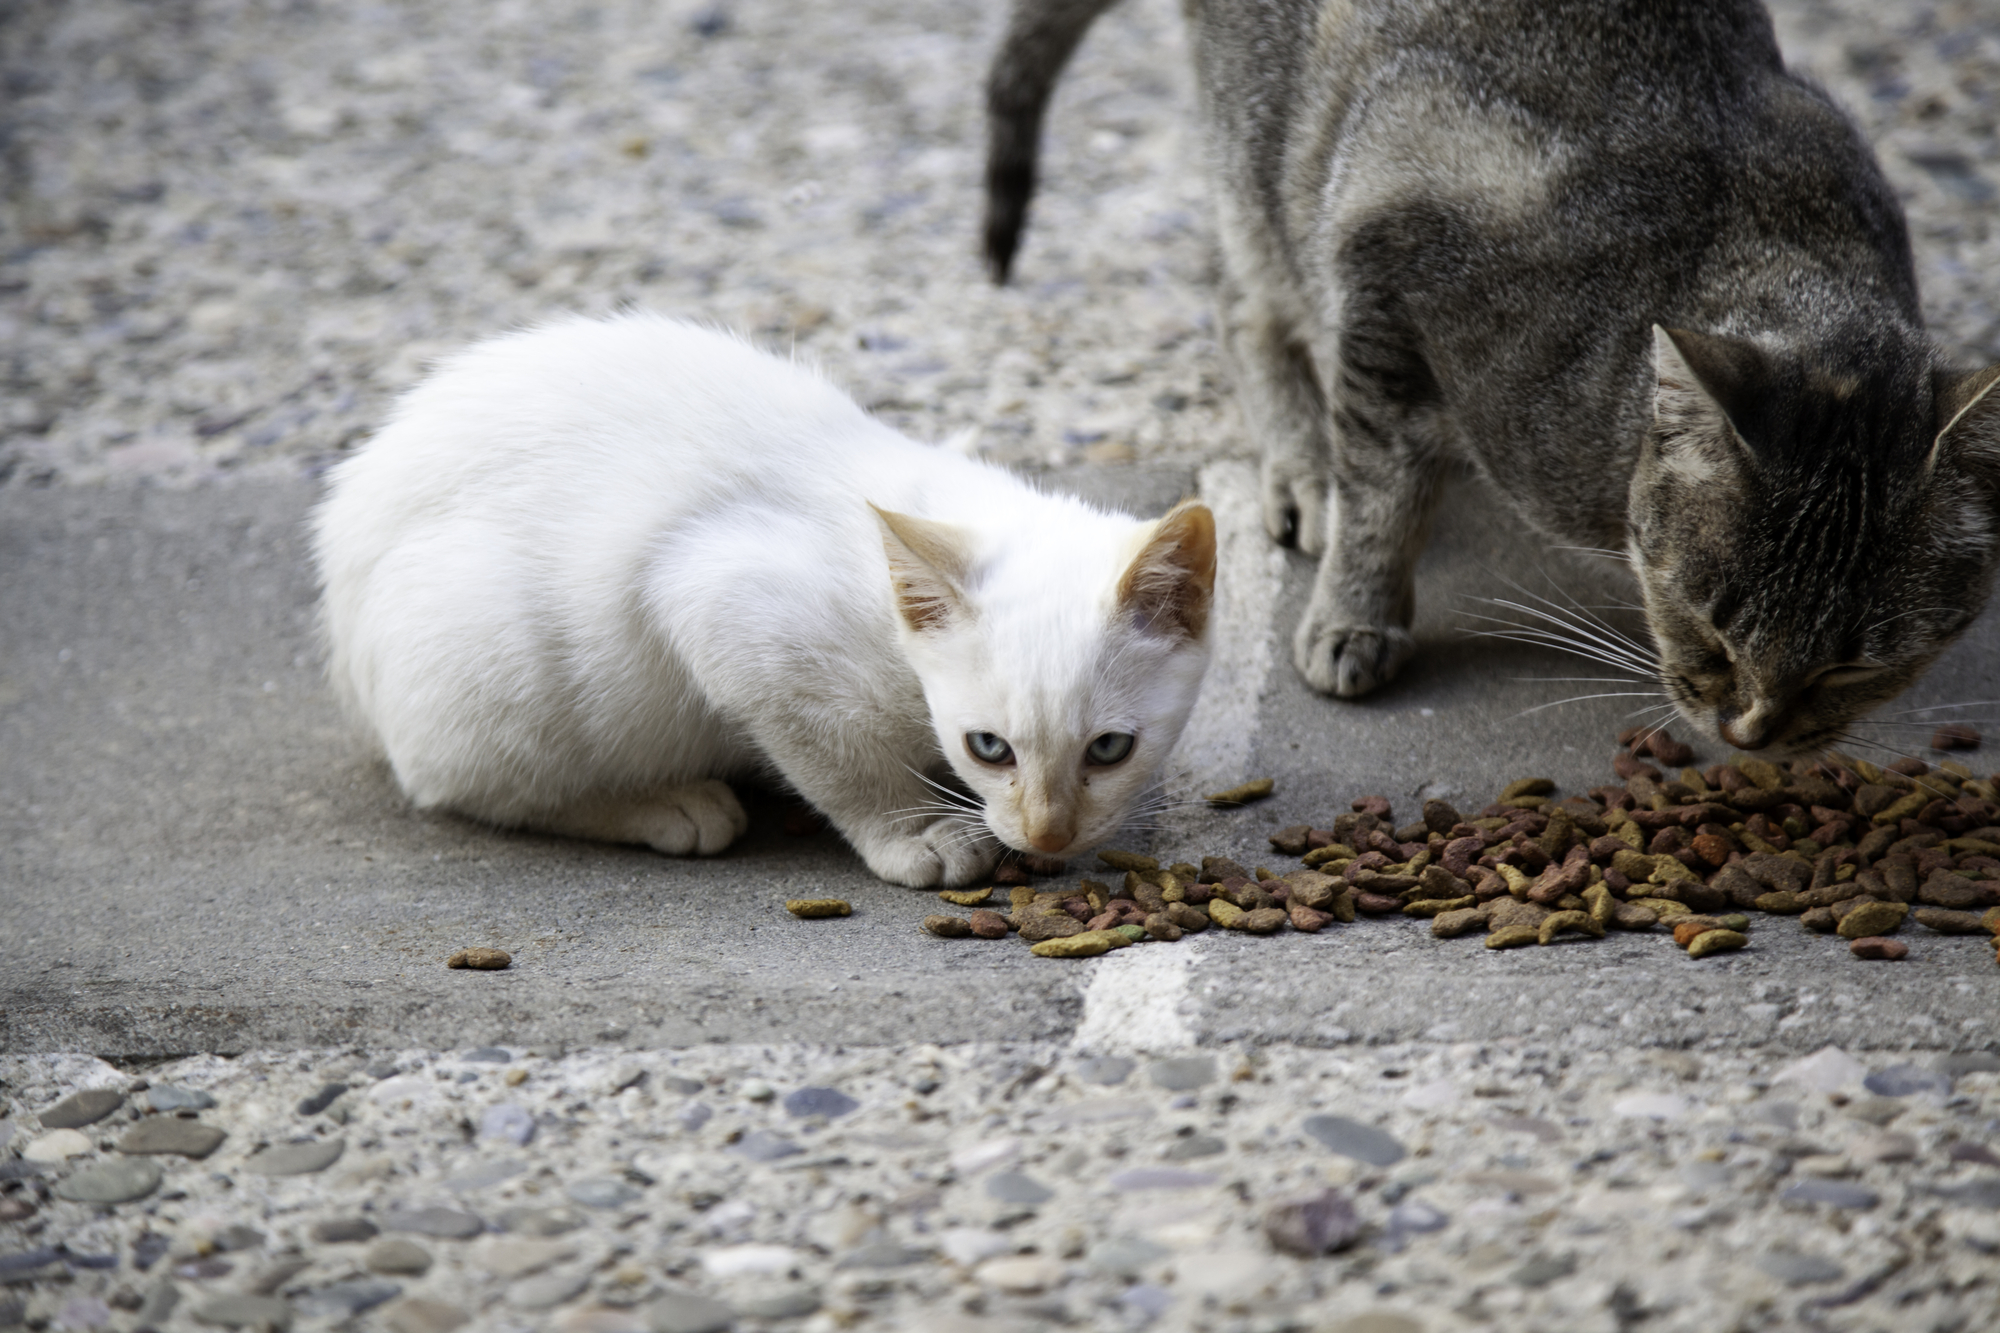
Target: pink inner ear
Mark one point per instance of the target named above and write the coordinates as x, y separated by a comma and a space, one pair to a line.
1169, 585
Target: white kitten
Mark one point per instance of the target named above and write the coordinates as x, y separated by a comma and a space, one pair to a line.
589, 573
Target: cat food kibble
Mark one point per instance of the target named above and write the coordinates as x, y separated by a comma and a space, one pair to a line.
484, 960
1851, 850
1255, 790
809, 907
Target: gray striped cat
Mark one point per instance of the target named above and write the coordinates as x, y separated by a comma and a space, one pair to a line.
1617, 260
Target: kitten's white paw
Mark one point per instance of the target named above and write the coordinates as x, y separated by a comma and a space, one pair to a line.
697, 820
945, 854
1295, 506
1347, 660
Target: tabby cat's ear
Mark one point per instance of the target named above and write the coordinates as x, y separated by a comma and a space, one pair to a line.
1968, 410
1707, 387
929, 565
1171, 581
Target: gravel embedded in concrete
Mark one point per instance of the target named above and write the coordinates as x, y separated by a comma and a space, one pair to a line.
1539, 1187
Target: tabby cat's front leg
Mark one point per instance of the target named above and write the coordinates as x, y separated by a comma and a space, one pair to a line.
1282, 408
1385, 464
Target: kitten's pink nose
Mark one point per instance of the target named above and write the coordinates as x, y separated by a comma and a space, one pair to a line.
1051, 842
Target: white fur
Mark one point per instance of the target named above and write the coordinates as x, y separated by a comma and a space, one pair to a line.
589, 573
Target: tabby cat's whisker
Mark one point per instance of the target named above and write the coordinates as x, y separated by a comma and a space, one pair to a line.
1581, 698
1608, 645
1938, 708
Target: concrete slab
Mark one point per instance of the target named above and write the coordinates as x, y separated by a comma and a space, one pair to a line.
198, 855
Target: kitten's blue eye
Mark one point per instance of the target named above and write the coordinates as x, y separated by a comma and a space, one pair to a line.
1110, 748
988, 748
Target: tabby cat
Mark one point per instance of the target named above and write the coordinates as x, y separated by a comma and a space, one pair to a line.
1613, 257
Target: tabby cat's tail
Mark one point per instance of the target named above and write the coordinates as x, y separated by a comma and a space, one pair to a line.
1040, 37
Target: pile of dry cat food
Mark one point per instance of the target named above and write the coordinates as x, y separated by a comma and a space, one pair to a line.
1850, 849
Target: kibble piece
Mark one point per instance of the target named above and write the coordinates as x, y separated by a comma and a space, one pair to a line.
1433, 906
1255, 790
818, 907
1131, 933
1341, 907
948, 927
1558, 922
1527, 787
1310, 920
1128, 861
988, 925
1781, 903
1312, 888
1873, 919
1509, 937
1687, 927
1263, 921
1036, 927
1191, 919
1716, 941
1666, 909
1225, 913
1161, 927
1087, 945
1947, 922
1991, 916
1879, 948
1449, 925
1634, 916
966, 897
1955, 736
484, 960
1820, 919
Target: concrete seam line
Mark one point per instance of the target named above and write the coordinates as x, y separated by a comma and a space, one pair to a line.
1135, 1001
1222, 728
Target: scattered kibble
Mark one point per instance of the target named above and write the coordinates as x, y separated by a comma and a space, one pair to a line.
1849, 848
483, 960
1255, 790
809, 907
1879, 948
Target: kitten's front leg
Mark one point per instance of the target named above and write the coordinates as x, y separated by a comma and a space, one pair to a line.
868, 788
945, 853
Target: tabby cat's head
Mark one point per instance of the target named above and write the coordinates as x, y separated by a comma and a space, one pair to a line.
1808, 540
1060, 656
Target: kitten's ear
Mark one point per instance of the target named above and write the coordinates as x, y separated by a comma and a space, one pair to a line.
1168, 586
928, 567
1968, 406
1707, 388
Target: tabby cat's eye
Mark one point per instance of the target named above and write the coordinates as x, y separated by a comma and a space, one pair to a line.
1850, 673
988, 748
1110, 748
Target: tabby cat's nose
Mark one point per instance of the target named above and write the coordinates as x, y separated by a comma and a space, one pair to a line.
1050, 842
1742, 736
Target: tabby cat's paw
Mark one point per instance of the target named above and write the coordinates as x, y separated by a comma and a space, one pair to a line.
947, 853
1348, 661
700, 819
1295, 506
